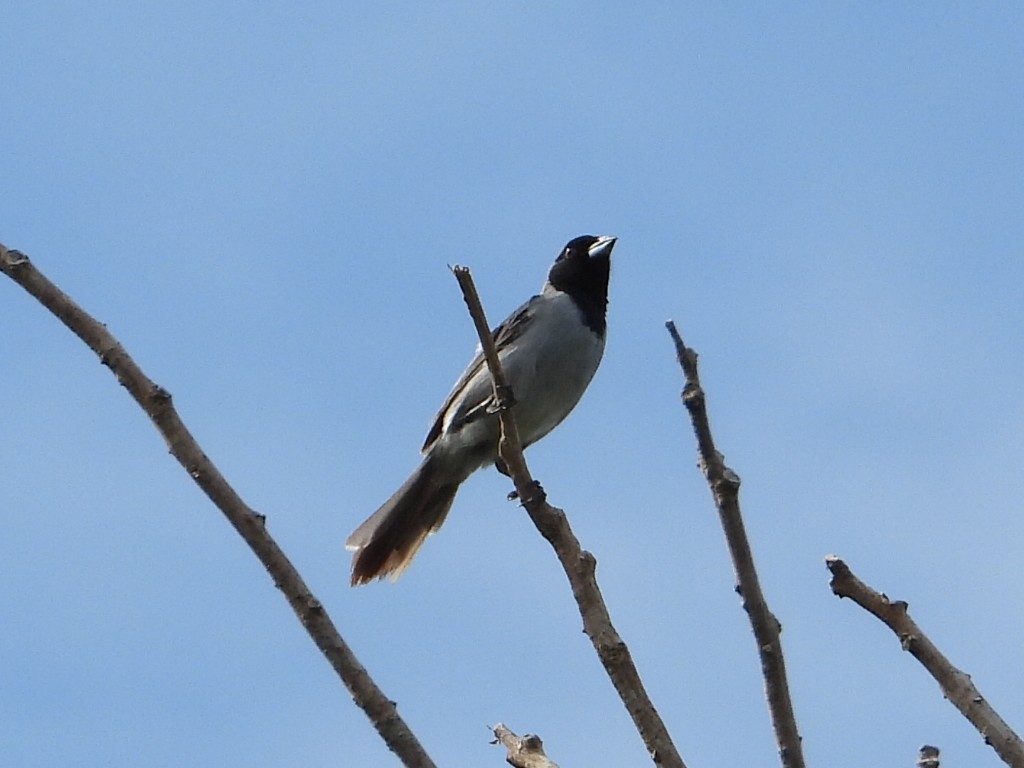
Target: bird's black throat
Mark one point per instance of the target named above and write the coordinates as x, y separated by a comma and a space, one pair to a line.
585, 280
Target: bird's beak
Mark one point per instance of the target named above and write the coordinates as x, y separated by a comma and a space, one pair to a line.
603, 247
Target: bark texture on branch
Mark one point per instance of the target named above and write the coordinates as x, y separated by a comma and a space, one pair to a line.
725, 487
156, 402
956, 686
579, 565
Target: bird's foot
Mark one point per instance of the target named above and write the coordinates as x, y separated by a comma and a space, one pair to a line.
538, 494
505, 399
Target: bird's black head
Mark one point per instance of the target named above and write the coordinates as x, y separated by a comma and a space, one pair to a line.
581, 270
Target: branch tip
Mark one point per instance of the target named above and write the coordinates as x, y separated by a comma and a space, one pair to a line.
156, 403
956, 686
554, 526
724, 484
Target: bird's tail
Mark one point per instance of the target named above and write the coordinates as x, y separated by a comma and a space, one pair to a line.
387, 542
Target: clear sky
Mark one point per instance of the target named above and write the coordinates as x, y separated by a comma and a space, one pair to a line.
260, 200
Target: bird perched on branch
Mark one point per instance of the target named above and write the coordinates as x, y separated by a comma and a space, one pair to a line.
549, 350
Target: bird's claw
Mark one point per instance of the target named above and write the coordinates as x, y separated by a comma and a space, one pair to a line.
538, 494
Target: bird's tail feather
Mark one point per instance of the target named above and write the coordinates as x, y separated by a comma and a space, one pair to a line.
387, 542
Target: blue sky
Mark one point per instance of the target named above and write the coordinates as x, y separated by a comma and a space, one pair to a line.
261, 201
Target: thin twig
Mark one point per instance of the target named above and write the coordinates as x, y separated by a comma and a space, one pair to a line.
725, 486
523, 752
578, 564
956, 686
156, 402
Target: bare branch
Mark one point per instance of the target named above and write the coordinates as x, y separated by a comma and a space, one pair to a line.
156, 402
956, 685
524, 752
578, 564
725, 486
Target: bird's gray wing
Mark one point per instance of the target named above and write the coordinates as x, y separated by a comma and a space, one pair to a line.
473, 394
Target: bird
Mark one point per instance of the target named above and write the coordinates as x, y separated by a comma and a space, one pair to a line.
550, 349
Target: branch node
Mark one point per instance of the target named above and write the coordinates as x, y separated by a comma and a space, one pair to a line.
12, 258
588, 562
579, 567
160, 396
539, 495
956, 685
724, 484
523, 752
155, 401
928, 757
731, 478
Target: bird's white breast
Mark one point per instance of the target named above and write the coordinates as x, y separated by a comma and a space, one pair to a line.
550, 365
